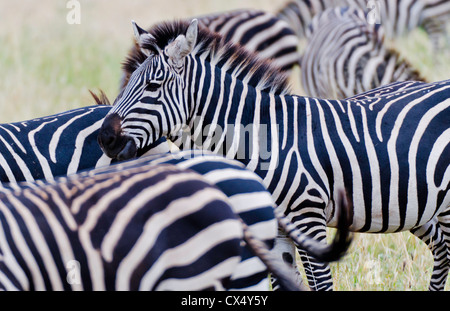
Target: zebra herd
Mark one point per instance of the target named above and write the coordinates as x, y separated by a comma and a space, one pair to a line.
96, 198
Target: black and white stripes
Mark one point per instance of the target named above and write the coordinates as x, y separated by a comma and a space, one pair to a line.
261, 32
345, 55
390, 153
148, 228
397, 17
55, 145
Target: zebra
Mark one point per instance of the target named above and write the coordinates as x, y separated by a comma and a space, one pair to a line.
397, 17
230, 102
251, 201
345, 56
56, 145
67, 203
75, 133
151, 227
262, 32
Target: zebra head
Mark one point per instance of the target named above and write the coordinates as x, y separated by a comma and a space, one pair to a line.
151, 106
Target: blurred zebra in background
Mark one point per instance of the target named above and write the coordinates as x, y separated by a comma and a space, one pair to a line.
345, 55
398, 17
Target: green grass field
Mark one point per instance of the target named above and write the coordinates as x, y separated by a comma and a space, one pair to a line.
48, 66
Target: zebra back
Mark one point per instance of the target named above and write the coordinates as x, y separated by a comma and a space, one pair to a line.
57, 145
50, 146
145, 228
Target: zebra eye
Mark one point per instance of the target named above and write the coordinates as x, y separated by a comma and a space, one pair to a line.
152, 87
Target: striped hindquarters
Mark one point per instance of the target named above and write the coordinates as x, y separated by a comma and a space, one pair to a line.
147, 228
247, 196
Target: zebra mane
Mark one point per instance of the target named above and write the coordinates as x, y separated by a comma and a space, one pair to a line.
239, 62
100, 99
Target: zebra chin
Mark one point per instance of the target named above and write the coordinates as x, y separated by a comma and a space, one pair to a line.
128, 152
125, 151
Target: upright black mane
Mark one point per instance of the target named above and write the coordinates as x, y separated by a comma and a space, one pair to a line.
257, 72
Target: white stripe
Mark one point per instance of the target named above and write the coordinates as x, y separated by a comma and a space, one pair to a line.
78, 148
125, 215
16, 141
61, 238
48, 175
57, 134
209, 278
186, 254
21, 244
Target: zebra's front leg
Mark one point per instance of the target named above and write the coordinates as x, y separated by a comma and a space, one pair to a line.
432, 234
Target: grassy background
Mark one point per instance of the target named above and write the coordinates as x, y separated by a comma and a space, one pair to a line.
48, 66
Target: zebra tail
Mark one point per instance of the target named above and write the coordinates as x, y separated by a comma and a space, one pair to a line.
283, 273
317, 249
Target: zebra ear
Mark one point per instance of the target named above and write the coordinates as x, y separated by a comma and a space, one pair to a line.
183, 44
146, 41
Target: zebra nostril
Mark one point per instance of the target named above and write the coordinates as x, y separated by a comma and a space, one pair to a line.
110, 132
107, 140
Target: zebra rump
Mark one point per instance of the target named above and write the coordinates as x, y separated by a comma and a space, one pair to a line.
146, 228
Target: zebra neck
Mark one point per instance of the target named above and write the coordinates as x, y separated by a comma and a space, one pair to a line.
238, 121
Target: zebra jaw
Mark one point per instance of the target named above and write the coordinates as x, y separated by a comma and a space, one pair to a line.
126, 150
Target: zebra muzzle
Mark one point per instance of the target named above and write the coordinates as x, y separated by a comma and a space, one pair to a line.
113, 142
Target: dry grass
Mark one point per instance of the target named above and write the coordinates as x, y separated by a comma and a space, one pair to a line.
48, 66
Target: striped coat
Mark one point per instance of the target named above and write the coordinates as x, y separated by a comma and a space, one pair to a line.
345, 56
147, 228
390, 153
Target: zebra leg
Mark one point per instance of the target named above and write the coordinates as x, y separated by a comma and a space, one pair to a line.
433, 235
285, 248
444, 222
317, 273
